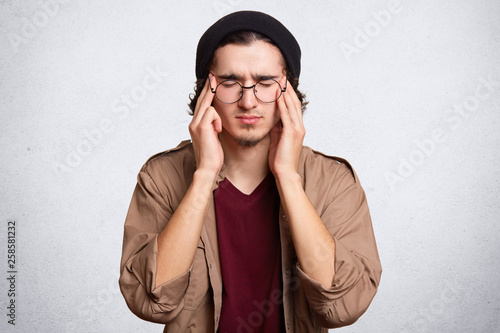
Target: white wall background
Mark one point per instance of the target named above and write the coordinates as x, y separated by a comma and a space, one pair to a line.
408, 107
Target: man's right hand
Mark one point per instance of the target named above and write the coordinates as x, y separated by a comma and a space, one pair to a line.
204, 129
178, 242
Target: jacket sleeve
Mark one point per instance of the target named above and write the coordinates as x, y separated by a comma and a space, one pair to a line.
148, 214
357, 264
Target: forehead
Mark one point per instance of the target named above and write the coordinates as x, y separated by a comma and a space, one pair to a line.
258, 58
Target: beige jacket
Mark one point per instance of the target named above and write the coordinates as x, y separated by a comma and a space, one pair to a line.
192, 301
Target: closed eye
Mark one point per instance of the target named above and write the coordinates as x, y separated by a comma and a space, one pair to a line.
266, 83
229, 84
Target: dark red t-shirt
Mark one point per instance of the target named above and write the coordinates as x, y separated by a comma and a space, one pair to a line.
249, 248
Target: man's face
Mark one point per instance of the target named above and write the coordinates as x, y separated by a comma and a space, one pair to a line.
249, 120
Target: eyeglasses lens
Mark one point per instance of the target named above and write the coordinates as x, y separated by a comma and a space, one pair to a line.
230, 91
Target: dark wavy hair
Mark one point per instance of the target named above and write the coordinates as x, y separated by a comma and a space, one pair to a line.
241, 38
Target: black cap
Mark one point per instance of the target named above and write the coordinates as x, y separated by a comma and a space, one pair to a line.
248, 21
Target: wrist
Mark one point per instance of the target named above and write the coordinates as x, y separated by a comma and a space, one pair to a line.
288, 177
204, 176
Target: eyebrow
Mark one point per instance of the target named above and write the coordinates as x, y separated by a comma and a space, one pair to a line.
256, 77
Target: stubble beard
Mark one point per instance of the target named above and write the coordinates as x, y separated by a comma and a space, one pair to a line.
248, 141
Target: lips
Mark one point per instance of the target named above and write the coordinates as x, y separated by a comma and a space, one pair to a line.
248, 120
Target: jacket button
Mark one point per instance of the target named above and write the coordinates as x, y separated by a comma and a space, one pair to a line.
284, 218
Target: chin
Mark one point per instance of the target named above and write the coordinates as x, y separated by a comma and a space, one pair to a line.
244, 142
249, 140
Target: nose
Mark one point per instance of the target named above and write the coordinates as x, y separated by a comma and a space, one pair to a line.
248, 101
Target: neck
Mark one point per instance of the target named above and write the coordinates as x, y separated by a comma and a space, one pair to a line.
246, 167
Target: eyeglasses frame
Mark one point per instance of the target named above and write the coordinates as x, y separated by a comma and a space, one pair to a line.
282, 90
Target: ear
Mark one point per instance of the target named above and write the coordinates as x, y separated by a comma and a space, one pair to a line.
283, 83
211, 82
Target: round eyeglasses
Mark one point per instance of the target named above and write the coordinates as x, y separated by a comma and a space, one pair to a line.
265, 90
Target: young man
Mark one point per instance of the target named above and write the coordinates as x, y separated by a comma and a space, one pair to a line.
244, 229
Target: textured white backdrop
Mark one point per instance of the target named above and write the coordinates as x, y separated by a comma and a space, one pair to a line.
408, 92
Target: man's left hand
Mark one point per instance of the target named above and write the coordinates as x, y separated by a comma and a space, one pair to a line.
287, 136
